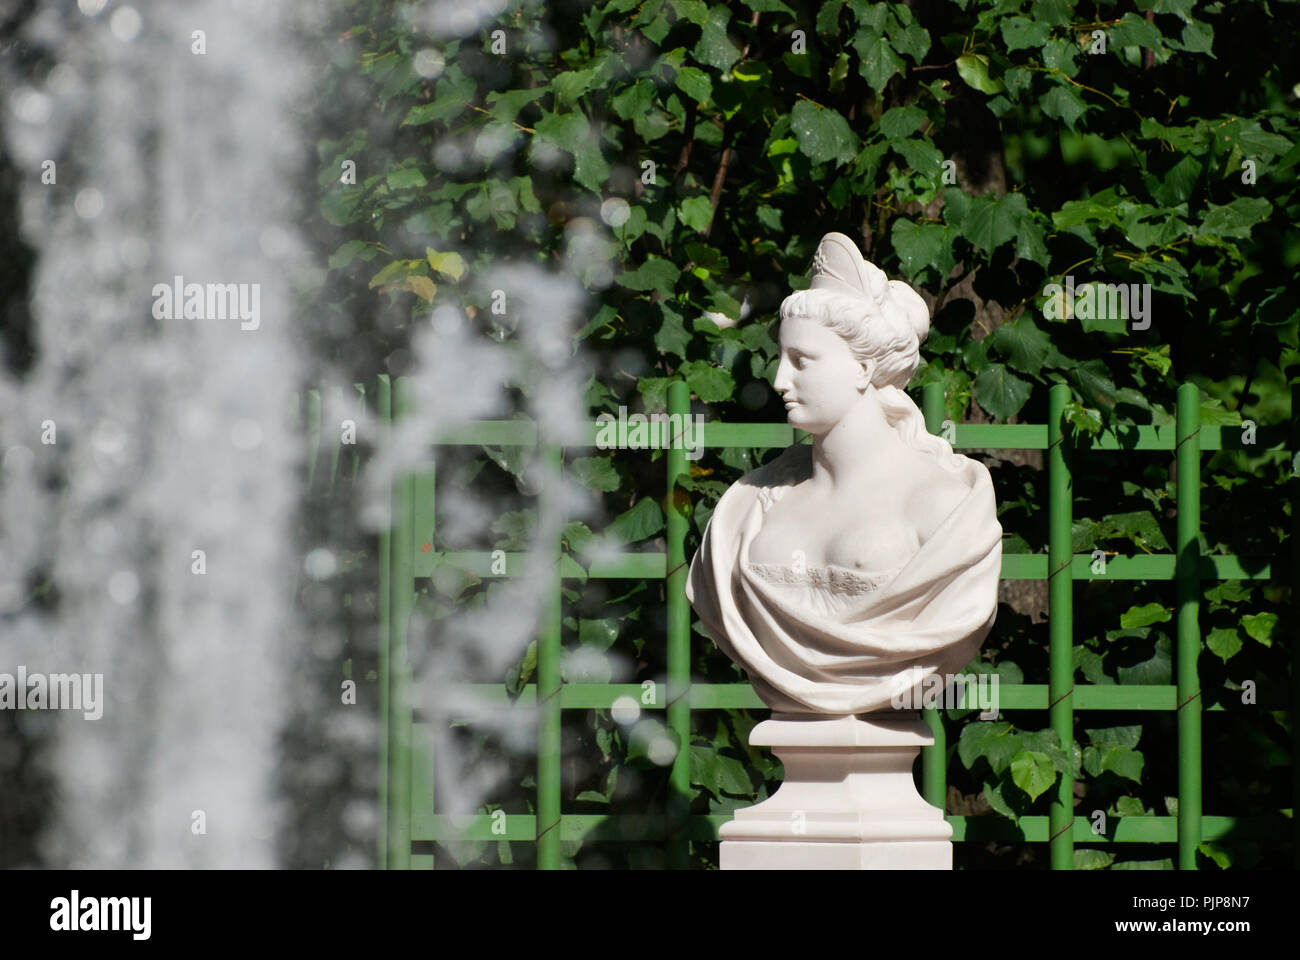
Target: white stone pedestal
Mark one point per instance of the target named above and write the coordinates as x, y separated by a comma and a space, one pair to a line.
847, 801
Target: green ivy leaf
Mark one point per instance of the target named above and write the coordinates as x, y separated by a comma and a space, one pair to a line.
1224, 643
711, 384
1144, 616
394, 271
1055, 13
1088, 859
908, 36
974, 69
988, 222
1064, 103
1060, 54
1123, 736
1198, 37
595, 473
1124, 762
572, 133
899, 122
600, 634
824, 135
672, 337
1260, 626
449, 264
1133, 30
1221, 857
1139, 526
1025, 346
654, 392
655, 274
993, 794
997, 742
1233, 219
634, 525
344, 255
1094, 382
714, 47
695, 83
1032, 772
1001, 392
406, 178
770, 6
1131, 807
569, 85
877, 61
1155, 671
1165, 864
921, 155
1021, 33
717, 772
1048, 743
922, 245
695, 212
505, 105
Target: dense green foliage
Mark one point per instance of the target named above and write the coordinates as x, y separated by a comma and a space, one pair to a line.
980, 149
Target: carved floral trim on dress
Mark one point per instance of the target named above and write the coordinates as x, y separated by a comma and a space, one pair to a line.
834, 578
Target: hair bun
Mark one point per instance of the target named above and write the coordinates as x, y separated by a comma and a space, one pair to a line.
915, 314
839, 265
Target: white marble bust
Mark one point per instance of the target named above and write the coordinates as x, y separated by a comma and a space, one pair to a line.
845, 570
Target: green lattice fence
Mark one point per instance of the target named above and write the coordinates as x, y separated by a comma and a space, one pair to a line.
409, 824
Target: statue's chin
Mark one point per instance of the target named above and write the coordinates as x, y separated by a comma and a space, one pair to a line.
793, 418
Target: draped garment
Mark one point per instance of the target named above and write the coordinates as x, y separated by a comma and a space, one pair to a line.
830, 640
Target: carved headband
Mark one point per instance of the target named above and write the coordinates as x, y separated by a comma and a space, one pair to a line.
839, 266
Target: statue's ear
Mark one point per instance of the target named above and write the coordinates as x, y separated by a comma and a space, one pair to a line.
865, 370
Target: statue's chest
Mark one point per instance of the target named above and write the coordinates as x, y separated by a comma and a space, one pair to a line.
865, 537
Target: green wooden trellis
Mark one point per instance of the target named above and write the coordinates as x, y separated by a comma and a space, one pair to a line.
406, 791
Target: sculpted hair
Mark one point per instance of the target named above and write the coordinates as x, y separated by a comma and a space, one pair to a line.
885, 333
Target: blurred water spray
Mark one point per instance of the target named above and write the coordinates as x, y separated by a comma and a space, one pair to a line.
457, 375
162, 519
171, 433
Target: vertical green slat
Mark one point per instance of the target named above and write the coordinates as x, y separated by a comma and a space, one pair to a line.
360, 418
548, 682
403, 580
1060, 600
934, 767
385, 410
336, 449
1295, 643
422, 747
679, 636
313, 435
1189, 633
423, 518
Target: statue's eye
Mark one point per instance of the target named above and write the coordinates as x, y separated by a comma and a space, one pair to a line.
798, 359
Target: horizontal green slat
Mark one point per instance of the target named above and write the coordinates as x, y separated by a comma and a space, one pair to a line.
591, 827
982, 436
1118, 829
717, 696
761, 435
1002, 436
503, 433
1094, 696
1015, 566
1154, 566
625, 566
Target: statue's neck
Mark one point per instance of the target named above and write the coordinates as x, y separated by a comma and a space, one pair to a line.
861, 447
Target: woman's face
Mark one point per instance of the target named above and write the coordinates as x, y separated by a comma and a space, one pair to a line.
818, 376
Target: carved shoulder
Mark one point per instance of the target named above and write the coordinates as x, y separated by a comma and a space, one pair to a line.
932, 500
790, 466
